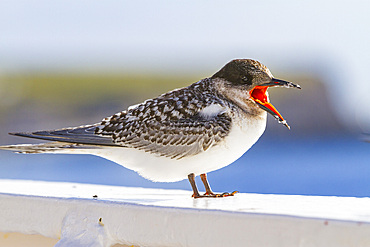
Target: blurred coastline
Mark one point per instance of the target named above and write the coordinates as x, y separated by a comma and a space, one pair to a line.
47, 101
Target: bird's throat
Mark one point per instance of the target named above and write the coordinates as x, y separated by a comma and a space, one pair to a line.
258, 95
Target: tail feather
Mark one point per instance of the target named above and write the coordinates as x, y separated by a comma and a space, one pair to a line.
67, 140
50, 147
80, 135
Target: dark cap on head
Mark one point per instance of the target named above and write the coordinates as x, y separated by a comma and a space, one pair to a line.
243, 71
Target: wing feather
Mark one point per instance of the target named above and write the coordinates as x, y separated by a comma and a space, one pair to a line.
177, 124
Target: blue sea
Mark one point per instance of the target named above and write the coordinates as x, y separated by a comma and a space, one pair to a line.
330, 166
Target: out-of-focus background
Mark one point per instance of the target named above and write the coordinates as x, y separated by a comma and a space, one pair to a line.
68, 63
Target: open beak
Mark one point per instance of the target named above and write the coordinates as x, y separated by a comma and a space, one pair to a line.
258, 95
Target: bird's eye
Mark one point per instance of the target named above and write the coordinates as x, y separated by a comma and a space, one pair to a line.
246, 80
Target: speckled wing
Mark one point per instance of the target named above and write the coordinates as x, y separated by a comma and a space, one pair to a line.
171, 125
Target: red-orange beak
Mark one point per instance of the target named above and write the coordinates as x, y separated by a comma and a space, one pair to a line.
258, 95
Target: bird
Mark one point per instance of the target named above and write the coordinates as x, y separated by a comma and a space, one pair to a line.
180, 134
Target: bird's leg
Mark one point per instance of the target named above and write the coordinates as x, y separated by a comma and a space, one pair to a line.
206, 185
209, 192
191, 177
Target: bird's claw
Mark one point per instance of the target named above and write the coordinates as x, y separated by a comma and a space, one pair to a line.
234, 192
210, 194
214, 195
225, 194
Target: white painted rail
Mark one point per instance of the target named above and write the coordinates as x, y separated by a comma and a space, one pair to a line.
70, 214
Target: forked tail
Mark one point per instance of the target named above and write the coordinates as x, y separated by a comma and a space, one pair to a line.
67, 140
50, 147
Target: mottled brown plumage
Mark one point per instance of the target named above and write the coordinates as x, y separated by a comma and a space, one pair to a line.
170, 125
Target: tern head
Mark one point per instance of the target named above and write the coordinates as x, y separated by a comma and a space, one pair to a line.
252, 78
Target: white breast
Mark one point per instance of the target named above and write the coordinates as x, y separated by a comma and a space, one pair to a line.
244, 133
